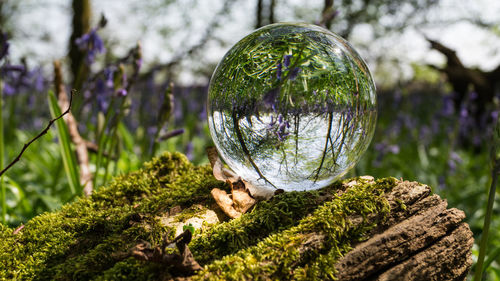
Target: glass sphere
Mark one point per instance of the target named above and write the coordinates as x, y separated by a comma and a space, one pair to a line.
291, 106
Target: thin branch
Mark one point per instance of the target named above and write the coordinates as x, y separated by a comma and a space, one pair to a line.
239, 135
325, 151
207, 35
328, 14
26, 145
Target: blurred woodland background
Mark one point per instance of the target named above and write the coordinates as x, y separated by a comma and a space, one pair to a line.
140, 73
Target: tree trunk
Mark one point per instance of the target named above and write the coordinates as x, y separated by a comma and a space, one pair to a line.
465, 80
81, 24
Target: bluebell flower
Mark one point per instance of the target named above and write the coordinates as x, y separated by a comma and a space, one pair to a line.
383, 149
441, 182
122, 92
494, 115
37, 80
108, 76
464, 112
448, 108
138, 63
281, 131
189, 150
100, 91
278, 127
92, 44
8, 89
286, 60
18, 79
279, 71
453, 161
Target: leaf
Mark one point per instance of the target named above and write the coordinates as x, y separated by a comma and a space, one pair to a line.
69, 160
218, 169
189, 227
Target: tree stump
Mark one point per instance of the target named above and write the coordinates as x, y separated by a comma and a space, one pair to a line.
137, 228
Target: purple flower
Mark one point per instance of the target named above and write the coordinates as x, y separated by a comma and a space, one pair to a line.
92, 44
393, 148
448, 106
18, 79
286, 60
108, 76
37, 79
383, 148
138, 63
278, 71
464, 112
279, 127
121, 92
8, 89
442, 182
453, 161
189, 150
494, 115
100, 91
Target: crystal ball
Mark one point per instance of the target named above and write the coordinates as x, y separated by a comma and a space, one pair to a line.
291, 106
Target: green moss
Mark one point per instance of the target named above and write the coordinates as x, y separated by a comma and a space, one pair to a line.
280, 256
267, 217
88, 239
79, 241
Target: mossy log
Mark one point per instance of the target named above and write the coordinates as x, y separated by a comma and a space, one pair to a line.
357, 229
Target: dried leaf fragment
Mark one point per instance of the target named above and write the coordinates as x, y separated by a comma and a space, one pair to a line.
240, 200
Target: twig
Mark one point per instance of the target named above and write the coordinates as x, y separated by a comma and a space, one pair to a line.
207, 35
94, 148
26, 145
327, 15
80, 144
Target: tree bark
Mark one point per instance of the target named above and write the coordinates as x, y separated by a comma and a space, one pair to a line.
420, 240
358, 229
423, 241
258, 14
81, 24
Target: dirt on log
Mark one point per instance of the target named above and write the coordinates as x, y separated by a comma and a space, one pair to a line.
138, 228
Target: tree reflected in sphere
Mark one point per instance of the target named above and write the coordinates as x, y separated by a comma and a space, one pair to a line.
291, 106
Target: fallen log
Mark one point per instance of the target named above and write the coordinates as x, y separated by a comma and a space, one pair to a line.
137, 228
